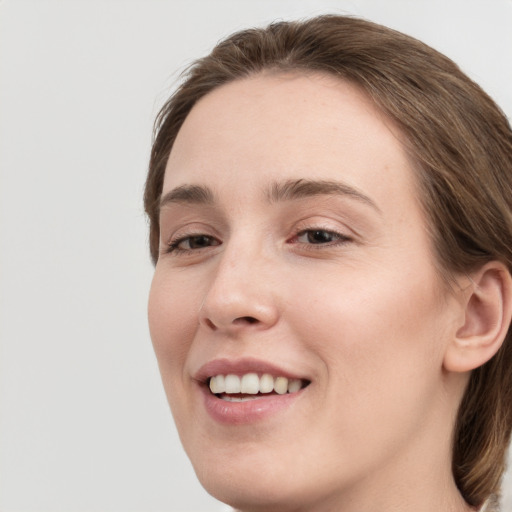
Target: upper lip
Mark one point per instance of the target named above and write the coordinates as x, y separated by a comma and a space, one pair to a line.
224, 366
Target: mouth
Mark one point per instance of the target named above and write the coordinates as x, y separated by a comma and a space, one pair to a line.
249, 391
252, 386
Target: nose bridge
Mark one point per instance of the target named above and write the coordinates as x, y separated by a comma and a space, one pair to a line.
241, 292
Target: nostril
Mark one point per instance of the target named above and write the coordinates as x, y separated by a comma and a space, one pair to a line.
236, 323
210, 324
245, 320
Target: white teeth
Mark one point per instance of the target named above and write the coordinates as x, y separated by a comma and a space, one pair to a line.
217, 384
233, 384
281, 385
266, 383
252, 384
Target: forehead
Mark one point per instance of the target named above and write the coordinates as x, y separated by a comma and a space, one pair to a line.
289, 126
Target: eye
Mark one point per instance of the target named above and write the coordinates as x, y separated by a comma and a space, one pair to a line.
192, 243
320, 236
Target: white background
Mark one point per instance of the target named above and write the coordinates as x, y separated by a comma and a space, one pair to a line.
84, 424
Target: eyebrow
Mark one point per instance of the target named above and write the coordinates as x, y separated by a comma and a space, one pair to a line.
188, 194
288, 190
302, 188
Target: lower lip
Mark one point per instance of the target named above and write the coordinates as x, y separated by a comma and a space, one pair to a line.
249, 411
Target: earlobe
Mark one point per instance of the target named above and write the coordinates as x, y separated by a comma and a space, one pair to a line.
487, 302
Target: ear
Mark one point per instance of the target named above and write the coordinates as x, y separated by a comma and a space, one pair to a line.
487, 308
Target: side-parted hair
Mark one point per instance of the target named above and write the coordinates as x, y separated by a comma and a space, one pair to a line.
460, 144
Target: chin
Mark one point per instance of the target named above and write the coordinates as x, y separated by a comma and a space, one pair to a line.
252, 493
255, 478
247, 479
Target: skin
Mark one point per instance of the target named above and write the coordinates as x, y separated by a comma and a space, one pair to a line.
363, 314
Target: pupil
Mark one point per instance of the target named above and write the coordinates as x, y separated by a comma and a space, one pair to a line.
199, 241
317, 237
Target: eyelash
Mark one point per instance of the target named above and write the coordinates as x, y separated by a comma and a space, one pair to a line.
338, 239
174, 245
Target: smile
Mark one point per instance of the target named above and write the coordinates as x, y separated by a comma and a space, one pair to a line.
248, 391
250, 386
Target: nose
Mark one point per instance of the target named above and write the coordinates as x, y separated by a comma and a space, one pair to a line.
242, 293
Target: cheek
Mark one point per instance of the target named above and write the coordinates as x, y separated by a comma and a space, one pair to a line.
173, 320
381, 340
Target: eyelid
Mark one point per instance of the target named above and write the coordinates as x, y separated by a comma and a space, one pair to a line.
324, 223
342, 235
180, 232
173, 245
335, 234
339, 236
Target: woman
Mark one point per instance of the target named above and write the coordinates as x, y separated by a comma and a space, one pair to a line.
331, 223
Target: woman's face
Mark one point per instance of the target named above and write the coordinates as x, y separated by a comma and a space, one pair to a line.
293, 244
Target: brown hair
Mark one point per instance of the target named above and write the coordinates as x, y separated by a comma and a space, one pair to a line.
461, 144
